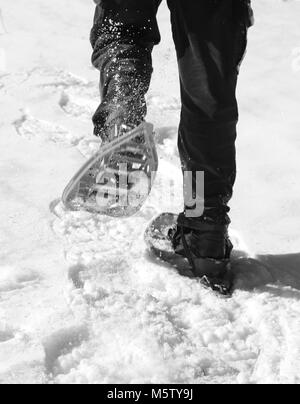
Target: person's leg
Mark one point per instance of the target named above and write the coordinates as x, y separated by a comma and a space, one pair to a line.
210, 38
123, 37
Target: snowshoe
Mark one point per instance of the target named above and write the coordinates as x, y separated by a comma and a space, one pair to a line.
168, 239
117, 180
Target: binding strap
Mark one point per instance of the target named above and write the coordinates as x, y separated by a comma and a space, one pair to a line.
192, 224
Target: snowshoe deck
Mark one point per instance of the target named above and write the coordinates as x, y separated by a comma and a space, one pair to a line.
102, 184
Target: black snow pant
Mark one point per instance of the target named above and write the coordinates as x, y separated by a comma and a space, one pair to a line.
210, 38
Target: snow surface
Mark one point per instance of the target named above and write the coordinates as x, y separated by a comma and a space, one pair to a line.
80, 300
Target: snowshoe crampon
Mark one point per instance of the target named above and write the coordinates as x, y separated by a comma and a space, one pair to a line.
118, 179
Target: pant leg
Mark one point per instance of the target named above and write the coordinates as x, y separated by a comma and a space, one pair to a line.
210, 39
122, 38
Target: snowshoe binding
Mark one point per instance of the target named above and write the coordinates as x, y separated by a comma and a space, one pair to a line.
188, 244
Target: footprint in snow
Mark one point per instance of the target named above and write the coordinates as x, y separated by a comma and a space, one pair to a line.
6, 334
31, 128
13, 278
62, 343
78, 105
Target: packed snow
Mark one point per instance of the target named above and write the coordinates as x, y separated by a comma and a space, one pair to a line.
80, 299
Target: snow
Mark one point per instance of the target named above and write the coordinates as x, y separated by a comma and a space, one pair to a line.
80, 299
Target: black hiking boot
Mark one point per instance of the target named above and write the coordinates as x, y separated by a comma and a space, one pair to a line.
205, 243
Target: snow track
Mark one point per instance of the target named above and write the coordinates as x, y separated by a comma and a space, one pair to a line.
147, 323
81, 301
